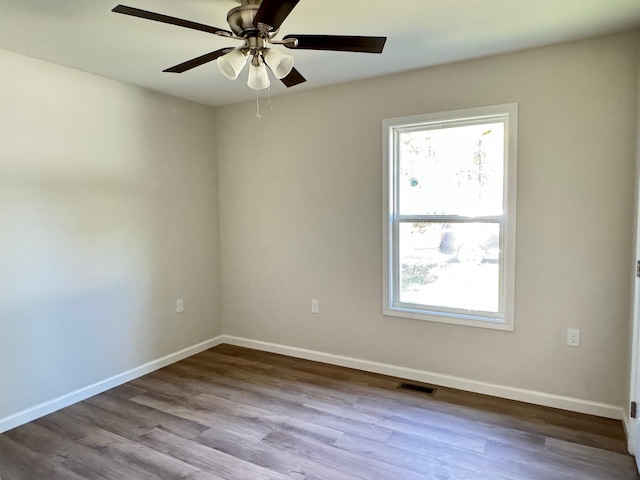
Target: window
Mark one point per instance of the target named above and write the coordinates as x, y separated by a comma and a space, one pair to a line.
449, 216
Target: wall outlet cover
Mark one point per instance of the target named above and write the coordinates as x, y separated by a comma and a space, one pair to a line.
573, 337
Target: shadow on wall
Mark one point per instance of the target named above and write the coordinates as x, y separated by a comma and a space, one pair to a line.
75, 281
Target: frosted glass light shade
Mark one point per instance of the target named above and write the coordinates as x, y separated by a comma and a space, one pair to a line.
258, 77
279, 63
232, 63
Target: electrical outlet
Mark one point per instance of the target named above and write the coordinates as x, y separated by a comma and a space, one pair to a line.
573, 337
180, 305
315, 306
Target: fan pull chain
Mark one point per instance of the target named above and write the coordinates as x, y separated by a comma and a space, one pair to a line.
258, 104
269, 97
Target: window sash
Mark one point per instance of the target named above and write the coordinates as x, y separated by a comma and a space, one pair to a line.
392, 128
442, 310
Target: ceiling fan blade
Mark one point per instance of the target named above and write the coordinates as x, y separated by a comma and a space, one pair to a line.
196, 62
273, 12
157, 17
340, 43
294, 78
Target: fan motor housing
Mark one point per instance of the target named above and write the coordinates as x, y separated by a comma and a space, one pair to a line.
240, 19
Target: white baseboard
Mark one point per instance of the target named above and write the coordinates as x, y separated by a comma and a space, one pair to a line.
627, 423
51, 406
512, 393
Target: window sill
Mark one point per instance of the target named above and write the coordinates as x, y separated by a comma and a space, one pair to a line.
453, 319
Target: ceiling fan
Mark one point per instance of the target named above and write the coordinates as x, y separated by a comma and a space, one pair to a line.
256, 23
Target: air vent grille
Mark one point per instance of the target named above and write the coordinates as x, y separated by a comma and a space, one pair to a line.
417, 388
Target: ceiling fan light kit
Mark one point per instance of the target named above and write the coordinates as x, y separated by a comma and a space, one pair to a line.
232, 63
279, 63
256, 23
258, 76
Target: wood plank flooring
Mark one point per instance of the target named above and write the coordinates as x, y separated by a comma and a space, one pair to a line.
240, 414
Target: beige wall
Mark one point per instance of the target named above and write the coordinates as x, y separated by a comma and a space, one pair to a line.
304, 220
108, 213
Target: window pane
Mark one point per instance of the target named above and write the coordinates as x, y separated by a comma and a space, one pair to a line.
451, 171
450, 265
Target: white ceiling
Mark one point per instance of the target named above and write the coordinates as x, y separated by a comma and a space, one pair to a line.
86, 35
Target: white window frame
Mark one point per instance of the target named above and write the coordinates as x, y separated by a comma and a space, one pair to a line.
504, 319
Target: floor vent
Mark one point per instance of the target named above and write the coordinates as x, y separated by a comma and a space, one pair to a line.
417, 388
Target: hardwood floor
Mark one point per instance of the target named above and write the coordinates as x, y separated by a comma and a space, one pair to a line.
235, 413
